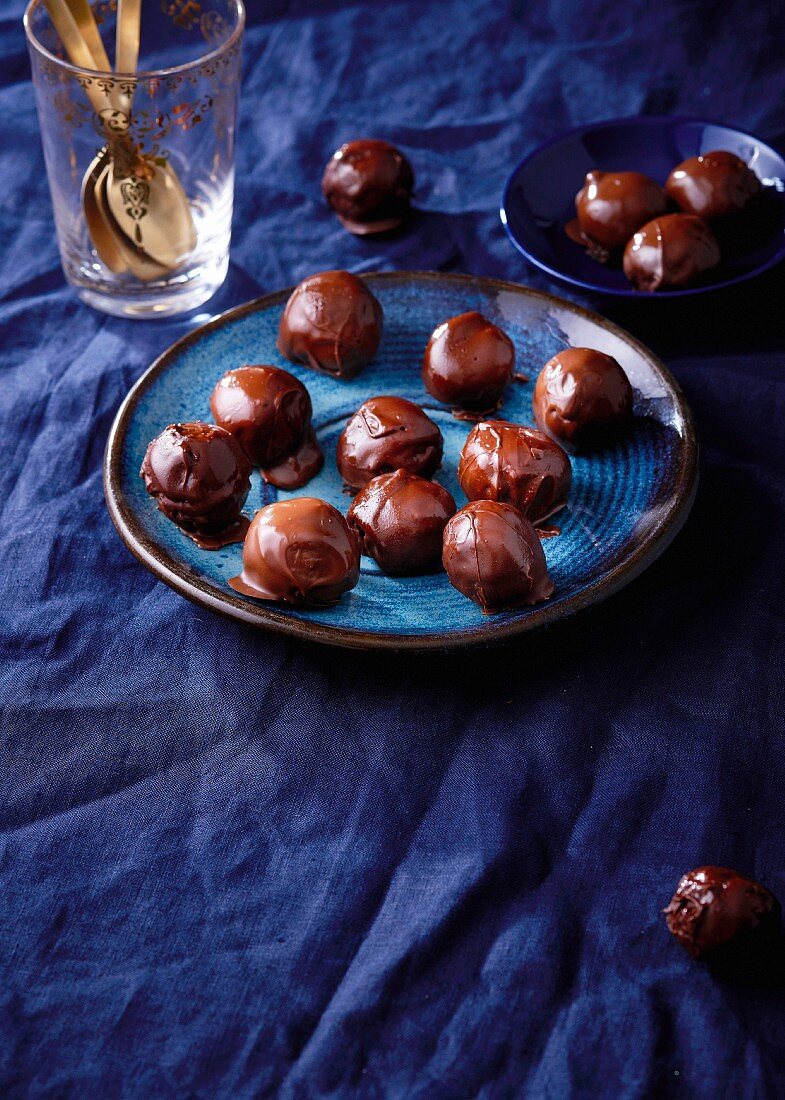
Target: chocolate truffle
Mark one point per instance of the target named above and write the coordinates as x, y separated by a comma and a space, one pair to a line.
493, 555
200, 477
369, 184
332, 323
714, 909
713, 185
387, 434
299, 551
581, 396
612, 205
269, 412
468, 362
400, 519
515, 465
670, 252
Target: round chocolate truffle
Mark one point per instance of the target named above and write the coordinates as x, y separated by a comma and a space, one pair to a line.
299, 551
670, 252
332, 323
515, 465
269, 412
199, 476
612, 205
714, 908
388, 434
369, 184
713, 185
400, 519
493, 555
582, 395
468, 362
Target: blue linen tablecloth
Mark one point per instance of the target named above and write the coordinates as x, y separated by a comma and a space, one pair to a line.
235, 865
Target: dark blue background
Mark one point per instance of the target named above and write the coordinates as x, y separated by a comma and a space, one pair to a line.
233, 865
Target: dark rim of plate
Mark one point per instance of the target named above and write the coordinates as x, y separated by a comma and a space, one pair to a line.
180, 578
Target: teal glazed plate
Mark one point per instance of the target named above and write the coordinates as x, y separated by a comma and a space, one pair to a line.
628, 500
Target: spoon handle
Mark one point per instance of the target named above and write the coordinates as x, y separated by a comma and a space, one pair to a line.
85, 21
128, 31
74, 45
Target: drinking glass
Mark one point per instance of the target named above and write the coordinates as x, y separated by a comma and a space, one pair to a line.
141, 165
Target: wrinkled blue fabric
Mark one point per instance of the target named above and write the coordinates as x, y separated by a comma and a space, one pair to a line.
233, 865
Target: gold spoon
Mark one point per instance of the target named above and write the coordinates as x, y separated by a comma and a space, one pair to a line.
137, 262
101, 232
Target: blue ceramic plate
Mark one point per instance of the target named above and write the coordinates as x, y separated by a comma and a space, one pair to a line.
539, 198
627, 502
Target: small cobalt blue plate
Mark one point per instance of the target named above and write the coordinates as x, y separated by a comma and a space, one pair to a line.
539, 199
627, 503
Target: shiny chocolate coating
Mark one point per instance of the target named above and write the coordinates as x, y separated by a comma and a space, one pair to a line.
515, 465
612, 205
714, 908
369, 184
468, 362
299, 551
388, 434
400, 520
269, 412
493, 556
582, 395
332, 323
670, 252
713, 185
199, 476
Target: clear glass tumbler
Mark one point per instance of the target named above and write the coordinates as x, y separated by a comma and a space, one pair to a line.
141, 164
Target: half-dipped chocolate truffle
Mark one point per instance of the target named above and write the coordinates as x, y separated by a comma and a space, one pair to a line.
301, 552
612, 205
713, 185
670, 252
468, 362
400, 519
332, 323
493, 555
582, 396
715, 909
388, 434
515, 465
269, 412
369, 184
199, 476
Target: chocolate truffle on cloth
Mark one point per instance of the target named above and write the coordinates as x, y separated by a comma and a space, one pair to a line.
468, 362
582, 395
515, 465
493, 555
400, 519
269, 412
612, 205
199, 476
369, 184
715, 910
301, 552
713, 185
670, 252
332, 323
387, 434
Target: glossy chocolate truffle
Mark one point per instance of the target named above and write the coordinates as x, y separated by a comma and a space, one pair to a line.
714, 908
713, 185
670, 252
515, 465
400, 519
388, 434
269, 412
301, 552
468, 362
200, 477
332, 323
369, 184
493, 555
582, 395
612, 205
